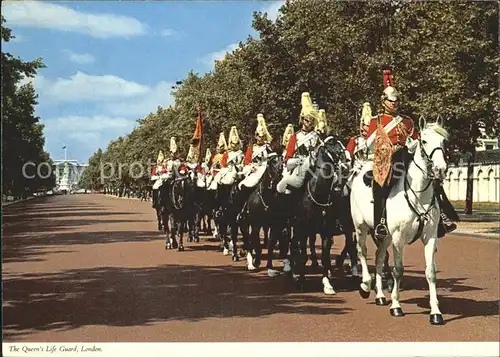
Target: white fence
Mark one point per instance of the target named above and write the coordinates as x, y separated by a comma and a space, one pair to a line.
486, 180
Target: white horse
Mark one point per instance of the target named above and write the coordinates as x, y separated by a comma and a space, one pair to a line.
411, 201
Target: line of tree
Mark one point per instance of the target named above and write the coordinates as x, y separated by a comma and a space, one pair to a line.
22, 132
444, 56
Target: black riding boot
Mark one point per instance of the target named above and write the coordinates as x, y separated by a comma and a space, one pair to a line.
380, 217
155, 198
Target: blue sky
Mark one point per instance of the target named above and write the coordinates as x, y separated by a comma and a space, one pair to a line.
111, 62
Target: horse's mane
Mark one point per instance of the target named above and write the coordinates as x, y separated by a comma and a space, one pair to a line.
438, 129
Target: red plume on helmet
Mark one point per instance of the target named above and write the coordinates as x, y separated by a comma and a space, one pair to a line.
388, 81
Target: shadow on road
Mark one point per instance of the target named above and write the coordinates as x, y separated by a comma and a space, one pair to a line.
132, 297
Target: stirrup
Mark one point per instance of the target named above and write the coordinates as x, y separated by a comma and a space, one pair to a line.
381, 231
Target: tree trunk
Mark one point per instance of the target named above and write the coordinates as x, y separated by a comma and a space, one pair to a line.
470, 181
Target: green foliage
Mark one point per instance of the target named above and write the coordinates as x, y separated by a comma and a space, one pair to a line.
22, 133
444, 57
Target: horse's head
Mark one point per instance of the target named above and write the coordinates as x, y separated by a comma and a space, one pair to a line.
273, 172
330, 161
431, 147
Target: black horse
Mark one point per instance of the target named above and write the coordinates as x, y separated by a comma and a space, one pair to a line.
178, 197
258, 211
318, 209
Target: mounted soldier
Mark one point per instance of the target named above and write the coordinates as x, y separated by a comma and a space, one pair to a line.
216, 161
232, 159
174, 162
357, 146
388, 136
158, 170
300, 147
256, 155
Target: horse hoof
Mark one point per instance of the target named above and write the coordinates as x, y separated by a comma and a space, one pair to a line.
436, 319
160, 228
381, 301
251, 267
180, 248
397, 312
242, 253
272, 273
235, 258
364, 294
225, 251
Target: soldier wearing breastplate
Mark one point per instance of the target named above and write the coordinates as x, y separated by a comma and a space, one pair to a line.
356, 146
234, 155
217, 158
158, 170
300, 146
174, 161
256, 155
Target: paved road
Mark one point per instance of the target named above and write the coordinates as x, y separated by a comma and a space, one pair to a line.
93, 268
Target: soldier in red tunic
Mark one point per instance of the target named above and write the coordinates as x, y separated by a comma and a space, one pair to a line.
387, 136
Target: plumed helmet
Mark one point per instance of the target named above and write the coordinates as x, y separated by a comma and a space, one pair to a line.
234, 138
222, 144
308, 109
390, 92
208, 156
366, 113
160, 158
322, 125
261, 129
173, 145
287, 134
192, 156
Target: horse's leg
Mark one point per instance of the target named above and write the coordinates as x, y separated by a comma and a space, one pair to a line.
159, 219
254, 241
380, 256
388, 275
312, 248
266, 228
285, 240
326, 246
257, 245
366, 279
173, 232
234, 238
196, 233
180, 234
245, 233
353, 254
430, 248
275, 232
223, 236
397, 273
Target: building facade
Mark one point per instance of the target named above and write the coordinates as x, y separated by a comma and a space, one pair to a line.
486, 178
68, 174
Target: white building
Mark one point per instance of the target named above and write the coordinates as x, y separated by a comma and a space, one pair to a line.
67, 173
486, 178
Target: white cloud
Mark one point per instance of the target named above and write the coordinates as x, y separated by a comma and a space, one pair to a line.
82, 86
93, 131
143, 104
83, 58
41, 14
219, 55
273, 9
168, 33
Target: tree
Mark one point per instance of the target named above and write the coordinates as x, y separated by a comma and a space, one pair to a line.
22, 132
